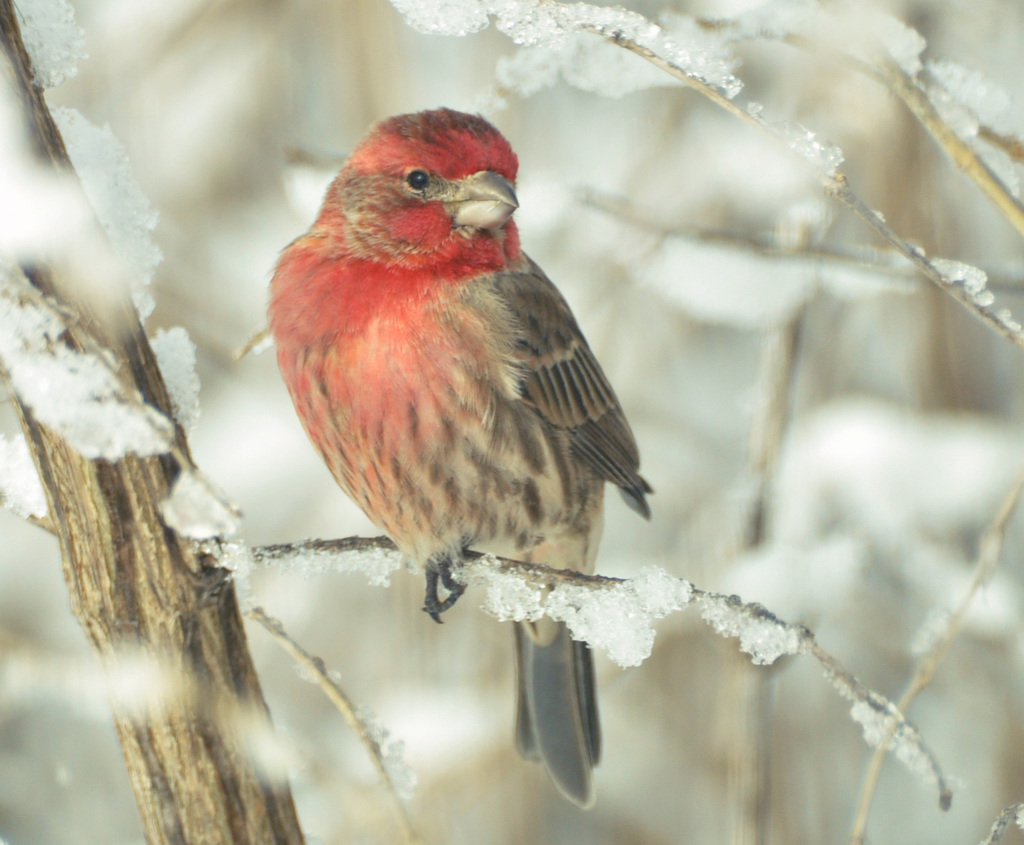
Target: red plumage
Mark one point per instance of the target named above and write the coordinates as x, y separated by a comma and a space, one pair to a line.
444, 381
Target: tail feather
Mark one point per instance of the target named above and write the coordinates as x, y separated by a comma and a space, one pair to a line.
556, 711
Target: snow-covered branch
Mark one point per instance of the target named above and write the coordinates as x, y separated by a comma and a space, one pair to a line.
75, 392
965, 284
82, 395
702, 61
616, 615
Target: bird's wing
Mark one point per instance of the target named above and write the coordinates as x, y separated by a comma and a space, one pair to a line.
563, 381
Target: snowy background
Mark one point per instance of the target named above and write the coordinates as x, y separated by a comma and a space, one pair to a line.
688, 243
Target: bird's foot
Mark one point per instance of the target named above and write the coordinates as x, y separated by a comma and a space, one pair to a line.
441, 571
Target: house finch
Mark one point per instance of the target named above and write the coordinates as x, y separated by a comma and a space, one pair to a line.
443, 379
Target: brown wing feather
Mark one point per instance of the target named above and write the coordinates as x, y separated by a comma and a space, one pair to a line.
566, 384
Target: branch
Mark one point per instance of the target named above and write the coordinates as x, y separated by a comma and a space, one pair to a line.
1012, 145
965, 159
836, 186
919, 103
884, 262
752, 703
617, 614
372, 736
1013, 813
989, 549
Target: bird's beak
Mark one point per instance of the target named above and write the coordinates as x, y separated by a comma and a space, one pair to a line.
484, 200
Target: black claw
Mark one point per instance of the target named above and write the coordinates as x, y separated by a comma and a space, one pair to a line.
432, 604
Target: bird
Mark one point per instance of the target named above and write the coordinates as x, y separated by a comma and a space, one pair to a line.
446, 384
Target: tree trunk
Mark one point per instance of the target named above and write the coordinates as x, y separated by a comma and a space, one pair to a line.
138, 589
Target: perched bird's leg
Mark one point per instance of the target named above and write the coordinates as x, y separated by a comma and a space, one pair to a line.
432, 604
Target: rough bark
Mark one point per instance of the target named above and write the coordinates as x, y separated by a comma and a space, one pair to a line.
139, 589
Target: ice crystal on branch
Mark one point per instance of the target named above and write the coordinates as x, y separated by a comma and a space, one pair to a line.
121, 207
824, 156
1006, 318
176, 357
763, 636
1012, 814
53, 40
986, 100
392, 754
197, 509
76, 393
552, 33
620, 618
314, 558
884, 727
902, 43
617, 617
971, 279
967, 100
509, 596
20, 489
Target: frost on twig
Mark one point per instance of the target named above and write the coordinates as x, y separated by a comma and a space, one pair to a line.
260, 341
989, 550
618, 615
197, 508
822, 155
385, 752
973, 280
761, 633
884, 726
376, 557
1014, 814
553, 41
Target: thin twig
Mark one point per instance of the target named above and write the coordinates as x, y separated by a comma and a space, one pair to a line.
43, 522
916, 99
884, 262
340, 699
255, 340
881, 261
989, 548
1012, 145
1006, 818
965, 159
776, 384
835, 186
752, 704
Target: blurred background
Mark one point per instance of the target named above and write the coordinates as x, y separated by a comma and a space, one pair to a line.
731, 304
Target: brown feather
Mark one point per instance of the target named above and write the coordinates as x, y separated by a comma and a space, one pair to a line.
564, 382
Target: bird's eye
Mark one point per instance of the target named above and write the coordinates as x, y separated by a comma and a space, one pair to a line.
418, 180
